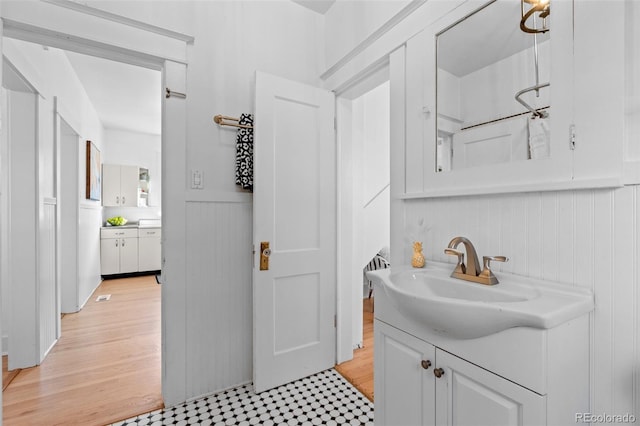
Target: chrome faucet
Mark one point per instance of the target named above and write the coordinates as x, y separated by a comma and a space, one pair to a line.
471, 270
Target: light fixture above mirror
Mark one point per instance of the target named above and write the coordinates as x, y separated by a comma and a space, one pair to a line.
537, 10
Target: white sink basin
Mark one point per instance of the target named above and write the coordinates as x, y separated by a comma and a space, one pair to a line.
466, 310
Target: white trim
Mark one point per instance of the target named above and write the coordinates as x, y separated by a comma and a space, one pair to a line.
216, 196
39, 35
369, 41
82, 8
631, 172
611, 182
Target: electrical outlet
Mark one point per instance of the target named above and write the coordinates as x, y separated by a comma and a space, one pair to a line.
197, 179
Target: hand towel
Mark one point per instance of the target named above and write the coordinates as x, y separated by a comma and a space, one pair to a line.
538, 137
244, 153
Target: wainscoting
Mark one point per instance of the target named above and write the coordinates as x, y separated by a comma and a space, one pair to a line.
219, 322
586, 238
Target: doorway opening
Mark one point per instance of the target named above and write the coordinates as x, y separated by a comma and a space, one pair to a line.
117, 108
363, 114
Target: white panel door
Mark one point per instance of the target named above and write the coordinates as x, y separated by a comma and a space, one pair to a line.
294, 209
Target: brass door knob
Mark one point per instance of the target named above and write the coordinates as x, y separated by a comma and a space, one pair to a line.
438, 372
425, 363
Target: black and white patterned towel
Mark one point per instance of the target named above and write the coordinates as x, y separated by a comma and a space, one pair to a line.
244, 153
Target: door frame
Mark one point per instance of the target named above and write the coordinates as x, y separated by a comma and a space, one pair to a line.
171, 59
349, 294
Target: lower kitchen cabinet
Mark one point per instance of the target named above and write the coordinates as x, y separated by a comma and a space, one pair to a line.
127, 250
118, 251
149, 249
417, 383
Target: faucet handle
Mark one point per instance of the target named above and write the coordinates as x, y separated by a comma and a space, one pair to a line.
460, 267
486, 267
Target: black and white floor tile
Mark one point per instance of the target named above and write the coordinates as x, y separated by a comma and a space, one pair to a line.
325, 398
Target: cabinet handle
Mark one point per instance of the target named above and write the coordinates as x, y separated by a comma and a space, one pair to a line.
123, 201
425, 363
116, 243
438, 372
117, 199
122, 243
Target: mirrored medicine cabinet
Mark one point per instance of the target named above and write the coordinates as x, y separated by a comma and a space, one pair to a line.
491, 108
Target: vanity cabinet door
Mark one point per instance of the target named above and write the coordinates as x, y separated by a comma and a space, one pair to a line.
403, 380
469, 395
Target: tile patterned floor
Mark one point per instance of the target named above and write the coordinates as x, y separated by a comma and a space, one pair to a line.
325, 398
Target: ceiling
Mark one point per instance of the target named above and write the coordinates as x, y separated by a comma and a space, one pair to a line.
487, 36
125, 97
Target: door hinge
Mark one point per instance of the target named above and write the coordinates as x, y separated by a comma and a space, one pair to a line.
335, 123
572, 137
335, 321
253, 255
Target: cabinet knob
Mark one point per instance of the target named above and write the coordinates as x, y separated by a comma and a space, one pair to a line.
438, 372
425, 363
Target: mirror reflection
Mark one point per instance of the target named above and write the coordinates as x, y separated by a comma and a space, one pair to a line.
493, 103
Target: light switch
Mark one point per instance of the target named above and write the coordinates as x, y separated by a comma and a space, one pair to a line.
197, 179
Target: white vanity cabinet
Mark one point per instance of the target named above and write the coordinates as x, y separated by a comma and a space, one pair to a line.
421, 384
149, 249
118, 251
519, 376
120, 185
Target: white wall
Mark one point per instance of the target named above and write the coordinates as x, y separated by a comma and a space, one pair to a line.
349, 23
488, 93
369, 151
371, 154
49, 71
584, 238
233, 39
135, 149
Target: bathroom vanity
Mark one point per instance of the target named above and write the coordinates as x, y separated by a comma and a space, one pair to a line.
522, 375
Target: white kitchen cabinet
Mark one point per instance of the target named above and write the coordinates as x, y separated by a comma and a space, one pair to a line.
149, 249
120, 185
423, 385
118, 251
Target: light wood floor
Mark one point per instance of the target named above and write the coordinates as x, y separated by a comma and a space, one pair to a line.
359, 371
105, 367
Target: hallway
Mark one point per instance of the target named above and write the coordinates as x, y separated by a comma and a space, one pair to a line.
105, 367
